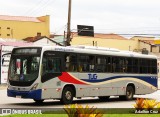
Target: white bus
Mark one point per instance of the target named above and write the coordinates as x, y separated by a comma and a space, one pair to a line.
64, 73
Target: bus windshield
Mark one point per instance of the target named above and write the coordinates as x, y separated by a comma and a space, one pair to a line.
24, 68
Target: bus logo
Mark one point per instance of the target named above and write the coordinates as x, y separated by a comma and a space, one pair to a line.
92, 76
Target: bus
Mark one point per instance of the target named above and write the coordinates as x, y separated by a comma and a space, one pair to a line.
67, 73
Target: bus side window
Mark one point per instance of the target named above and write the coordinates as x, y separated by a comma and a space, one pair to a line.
51, 67
91, 63
113, 65
100, 64
71, 63
125, 65
108, 64
67, 62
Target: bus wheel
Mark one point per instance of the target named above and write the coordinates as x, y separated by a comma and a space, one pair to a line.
104, 98
129, 93
38, 101
67, 95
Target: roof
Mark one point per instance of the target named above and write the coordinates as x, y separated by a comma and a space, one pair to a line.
150, 42
36, 38
106, 36
19, 18
97, 51
19, 44
109, 36
143, 37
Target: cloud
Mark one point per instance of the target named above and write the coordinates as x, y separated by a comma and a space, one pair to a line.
105, 15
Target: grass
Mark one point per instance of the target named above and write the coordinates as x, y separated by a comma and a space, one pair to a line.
107, 113
37, 115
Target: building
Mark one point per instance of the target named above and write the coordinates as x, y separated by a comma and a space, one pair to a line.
136, 43
20, 27
106, 40
41, 40
148, 43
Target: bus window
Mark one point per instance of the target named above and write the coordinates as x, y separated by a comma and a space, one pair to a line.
129, 65
108, 64
51, 68
91, 63
154, 66
51, 65
71, 62
18, 66
24, 68
100, 64
122, 65
84, 62
135, 65
115, 61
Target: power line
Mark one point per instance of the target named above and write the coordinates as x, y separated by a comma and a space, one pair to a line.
41, 5
63, 27
33, 7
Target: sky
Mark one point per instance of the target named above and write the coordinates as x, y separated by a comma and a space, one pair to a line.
107, 16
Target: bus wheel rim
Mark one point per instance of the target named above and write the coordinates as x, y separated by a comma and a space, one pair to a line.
68, 95
129, 93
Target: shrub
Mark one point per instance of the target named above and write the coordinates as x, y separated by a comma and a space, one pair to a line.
75, 110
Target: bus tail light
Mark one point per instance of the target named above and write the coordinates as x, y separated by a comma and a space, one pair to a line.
34, 87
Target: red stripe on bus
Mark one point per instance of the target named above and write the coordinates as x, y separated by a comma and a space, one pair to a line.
65, 77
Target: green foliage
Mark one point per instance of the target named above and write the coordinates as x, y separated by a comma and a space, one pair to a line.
139, 103
148, 104
75, 110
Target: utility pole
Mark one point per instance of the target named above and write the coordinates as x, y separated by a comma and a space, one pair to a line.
69, 25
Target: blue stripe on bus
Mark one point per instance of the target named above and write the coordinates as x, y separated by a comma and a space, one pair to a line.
149, 79
35, 94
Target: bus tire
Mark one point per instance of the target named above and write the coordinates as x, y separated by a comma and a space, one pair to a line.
103, 98
38, 101
67, 95
129, 93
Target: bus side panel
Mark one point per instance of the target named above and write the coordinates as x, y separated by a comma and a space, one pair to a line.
106, 88
141, 87
82, 91
50, 89
95, 87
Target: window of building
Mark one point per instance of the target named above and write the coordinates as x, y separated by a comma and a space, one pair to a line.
8, 27
8, 34
38, 34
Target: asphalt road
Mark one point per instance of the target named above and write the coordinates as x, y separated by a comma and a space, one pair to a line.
113, 102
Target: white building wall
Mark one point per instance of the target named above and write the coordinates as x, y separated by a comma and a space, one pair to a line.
44, 41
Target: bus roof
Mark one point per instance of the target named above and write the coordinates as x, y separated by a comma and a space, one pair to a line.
96, 51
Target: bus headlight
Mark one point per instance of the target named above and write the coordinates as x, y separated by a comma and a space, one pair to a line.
34, 87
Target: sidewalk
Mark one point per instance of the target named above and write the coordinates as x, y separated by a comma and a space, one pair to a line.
3, 86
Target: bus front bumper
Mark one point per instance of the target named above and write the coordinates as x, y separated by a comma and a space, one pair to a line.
35, 94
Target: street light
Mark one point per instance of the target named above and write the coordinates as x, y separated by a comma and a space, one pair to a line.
71, 34
78, 31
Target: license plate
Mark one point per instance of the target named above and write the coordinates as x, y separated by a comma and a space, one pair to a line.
18, 96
